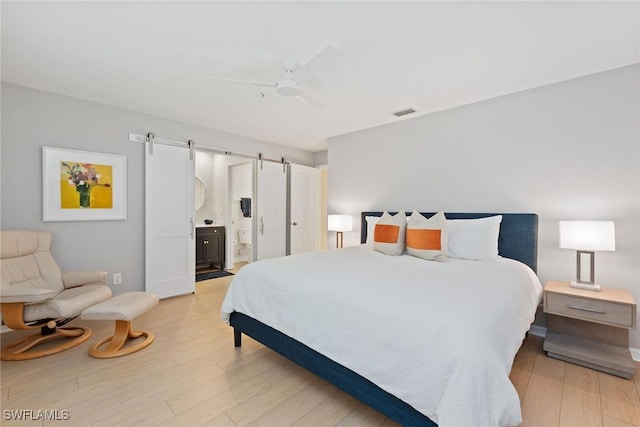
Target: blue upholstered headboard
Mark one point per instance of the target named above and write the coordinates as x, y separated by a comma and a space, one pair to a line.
518, 237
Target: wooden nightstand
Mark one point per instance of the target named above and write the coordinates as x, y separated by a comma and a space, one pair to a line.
590, 328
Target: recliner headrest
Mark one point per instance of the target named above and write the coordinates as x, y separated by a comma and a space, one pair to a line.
16, 243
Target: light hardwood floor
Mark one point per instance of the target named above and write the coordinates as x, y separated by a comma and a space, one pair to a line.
192, 375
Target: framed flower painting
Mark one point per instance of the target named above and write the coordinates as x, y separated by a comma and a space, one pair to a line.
83, 185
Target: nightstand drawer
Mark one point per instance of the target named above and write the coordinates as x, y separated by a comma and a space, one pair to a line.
609, 313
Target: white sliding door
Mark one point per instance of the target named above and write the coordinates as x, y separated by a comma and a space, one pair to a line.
305, 208
271, 210
169, 207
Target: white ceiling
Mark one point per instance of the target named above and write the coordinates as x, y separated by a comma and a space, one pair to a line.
159, 57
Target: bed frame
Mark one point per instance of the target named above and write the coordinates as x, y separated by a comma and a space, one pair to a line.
518, 240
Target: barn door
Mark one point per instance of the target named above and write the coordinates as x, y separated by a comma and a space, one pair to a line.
271, 210
169, 228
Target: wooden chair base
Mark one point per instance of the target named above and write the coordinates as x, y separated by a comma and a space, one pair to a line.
20, 349
116, 346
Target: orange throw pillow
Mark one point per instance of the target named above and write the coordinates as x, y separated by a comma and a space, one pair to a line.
424, 239
427, 238
389, 234
386, 233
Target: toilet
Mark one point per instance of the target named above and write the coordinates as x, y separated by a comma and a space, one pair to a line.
244, 235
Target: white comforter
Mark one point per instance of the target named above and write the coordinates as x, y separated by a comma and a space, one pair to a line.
440, 336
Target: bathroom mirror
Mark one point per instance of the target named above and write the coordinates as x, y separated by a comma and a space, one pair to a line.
200, 192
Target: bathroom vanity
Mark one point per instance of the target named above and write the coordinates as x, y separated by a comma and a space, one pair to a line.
210, 247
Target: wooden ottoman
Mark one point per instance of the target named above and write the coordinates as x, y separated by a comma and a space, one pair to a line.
123, 309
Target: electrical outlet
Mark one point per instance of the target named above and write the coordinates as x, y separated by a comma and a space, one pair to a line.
117, 278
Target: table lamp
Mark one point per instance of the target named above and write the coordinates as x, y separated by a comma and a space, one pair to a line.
586, 237
340, 223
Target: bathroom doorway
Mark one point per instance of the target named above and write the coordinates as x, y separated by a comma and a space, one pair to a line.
241, 207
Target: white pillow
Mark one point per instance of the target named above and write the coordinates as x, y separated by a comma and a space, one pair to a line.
427, 238
474, 239
371, 225
389, 234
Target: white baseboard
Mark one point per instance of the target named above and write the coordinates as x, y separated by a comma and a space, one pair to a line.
4, 329
541, 331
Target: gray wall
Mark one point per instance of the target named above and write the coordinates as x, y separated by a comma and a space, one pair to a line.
32, 118
567, 151
204, 171
320, 158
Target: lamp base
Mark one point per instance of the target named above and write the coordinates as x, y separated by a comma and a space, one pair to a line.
585, 285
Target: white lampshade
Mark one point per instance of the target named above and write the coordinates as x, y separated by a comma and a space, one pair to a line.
588, 235
340, 223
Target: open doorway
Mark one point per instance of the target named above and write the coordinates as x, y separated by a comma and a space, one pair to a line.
219, 207
241, 204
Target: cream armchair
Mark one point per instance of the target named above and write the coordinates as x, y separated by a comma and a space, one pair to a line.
34, 293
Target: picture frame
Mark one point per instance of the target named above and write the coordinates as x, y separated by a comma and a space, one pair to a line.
83, 185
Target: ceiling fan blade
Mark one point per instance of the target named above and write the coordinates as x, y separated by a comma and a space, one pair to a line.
327, 55
244, 82
308, 99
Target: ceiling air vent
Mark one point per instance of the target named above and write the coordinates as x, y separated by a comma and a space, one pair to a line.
404, 112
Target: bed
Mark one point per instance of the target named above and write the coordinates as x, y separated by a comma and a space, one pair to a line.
450, 367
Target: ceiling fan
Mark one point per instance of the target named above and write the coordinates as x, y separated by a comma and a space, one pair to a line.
290, 84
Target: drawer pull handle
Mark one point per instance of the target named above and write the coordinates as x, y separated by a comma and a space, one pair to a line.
590, 310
